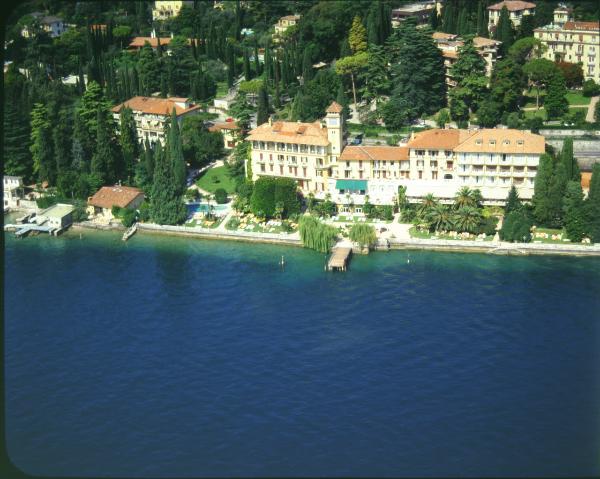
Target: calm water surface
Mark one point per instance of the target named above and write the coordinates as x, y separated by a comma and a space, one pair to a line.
170, 356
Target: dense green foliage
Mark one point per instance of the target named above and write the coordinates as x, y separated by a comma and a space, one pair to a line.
516, 227
364, 235
270, 194
316, 235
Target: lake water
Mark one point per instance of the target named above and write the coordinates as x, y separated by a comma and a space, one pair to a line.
170, 356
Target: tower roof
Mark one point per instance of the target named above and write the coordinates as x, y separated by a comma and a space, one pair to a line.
335, 107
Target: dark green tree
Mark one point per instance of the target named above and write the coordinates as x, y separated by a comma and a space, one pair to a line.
262, 113
556, 103
576, 223
41, 145
513, 202
505, 31
570, 162
129, 143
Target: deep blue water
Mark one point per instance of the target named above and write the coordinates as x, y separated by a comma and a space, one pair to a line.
170, 356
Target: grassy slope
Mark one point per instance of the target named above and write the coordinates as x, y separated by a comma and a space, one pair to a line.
206, 181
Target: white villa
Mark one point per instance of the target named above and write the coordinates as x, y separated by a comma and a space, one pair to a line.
516, 11
152, 113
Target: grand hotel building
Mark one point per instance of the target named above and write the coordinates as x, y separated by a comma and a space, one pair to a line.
433, 161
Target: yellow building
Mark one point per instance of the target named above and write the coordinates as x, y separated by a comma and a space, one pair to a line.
516, 11
573, 42
302, 151
229, 130
450, 43
283, 24
164, 10
438, 161
151, 114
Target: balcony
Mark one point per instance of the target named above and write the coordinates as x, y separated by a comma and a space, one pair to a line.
505, 173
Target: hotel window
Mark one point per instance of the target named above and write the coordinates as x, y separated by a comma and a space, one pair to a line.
260, 156
262, 145
346, 174
288, 147
262, 167
347, 164
519, 142
270, 157
360, 174
449, 164
478, 141
434, 175
255, 145
360, 163
304, 171
270, 167
290, 170
281, 169
420, 175
492, 142
312, 149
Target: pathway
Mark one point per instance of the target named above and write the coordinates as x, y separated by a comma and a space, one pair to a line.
590, 113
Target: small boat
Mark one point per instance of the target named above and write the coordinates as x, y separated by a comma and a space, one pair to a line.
130, 232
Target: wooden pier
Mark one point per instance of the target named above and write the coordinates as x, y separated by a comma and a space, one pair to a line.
339, 259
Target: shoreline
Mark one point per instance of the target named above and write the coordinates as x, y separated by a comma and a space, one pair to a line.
457, 246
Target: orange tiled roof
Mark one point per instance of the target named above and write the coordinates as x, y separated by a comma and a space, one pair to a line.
381, 153
512, 5
485, 42
438, 139
291, 132
138, 42
155, 106
109, 196
501, 140
335, 107
226, 125
449, 54
588, 26
443, 36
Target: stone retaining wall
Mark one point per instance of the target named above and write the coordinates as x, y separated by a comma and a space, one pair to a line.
497, 248
226, 235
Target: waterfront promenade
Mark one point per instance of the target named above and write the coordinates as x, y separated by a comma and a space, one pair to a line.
293, 239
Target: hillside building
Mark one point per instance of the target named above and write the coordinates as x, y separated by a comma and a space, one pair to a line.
151, 114
163, 10
573, 42
516, 11
51, 24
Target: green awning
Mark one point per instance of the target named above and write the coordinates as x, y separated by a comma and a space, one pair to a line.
354, 185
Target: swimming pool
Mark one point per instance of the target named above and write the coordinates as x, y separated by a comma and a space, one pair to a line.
203, 208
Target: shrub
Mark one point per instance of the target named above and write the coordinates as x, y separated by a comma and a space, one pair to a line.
144, 212
316, 235
128, 217
116, 211
220, 196
46, 201
488, 226
233, 223
516, 227
393, 140
590, 88
387, 213
408, 213
79, 214
286, 227
362, 234
192, 194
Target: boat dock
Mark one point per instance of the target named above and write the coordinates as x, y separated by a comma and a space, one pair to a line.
339, 259
130, 232
24, 229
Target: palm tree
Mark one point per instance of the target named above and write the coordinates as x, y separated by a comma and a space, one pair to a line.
467, 219
464, 198
428, 202
440, 217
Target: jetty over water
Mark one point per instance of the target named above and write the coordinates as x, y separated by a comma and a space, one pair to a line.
339, 259
23, 230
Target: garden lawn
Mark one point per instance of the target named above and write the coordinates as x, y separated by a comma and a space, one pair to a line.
215, 178
575, 97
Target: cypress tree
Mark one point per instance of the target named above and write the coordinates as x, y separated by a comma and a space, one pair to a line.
541, 188
307, 69
103, 160
257, 67
556, 193
41, 145
175, 154
556, 103
576, 224
434, 19
342, 99
247, 73
570, 162
505, 31
482, 29
262, 113
513, 203
61, 141
372, 26
129, 143
17, 157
